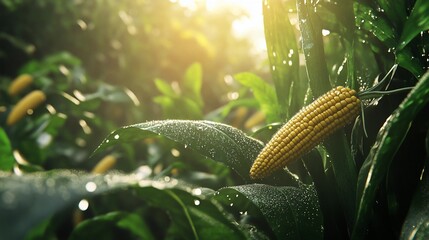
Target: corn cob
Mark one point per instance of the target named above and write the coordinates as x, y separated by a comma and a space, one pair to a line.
29, 102
307, 129
104, 164
19, 84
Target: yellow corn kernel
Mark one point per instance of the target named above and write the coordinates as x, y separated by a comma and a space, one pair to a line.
29, 102
19, 84
104, 164
307, 129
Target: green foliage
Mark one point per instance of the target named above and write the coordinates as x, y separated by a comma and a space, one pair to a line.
127, 43
263, 93
187, 177
182, 100
106, 224
63, 125
282, 52
388, 141
7, 160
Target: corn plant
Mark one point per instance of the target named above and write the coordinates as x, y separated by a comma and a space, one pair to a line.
193, 179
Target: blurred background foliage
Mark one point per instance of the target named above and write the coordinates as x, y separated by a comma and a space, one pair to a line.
128, 43
104, 64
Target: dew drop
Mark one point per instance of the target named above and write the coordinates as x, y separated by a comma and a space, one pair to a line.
83, 205
90, 186
325, 32
143, 172
197, 202
197, 191
116, 136
175, 152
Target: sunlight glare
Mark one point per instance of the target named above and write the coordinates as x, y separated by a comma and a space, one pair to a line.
250, 26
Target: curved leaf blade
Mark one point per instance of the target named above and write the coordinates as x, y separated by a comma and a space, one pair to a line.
91, 228
6, 156
312, 46
193, 214
29, 199
292, 213
417, 22
416, 225
388, 140
264, 93
282, 50
216, 141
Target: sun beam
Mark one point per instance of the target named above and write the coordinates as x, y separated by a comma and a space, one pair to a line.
250, 26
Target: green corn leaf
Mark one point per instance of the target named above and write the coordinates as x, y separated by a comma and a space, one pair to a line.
389, 138
290, 212
312, 46
264, 93
6, 157
165, 88
193, 214
417, 22
193, 81
217, 141
395, 11
29, 199
373, 22
337, 145
104, 226
282, 55
416, 225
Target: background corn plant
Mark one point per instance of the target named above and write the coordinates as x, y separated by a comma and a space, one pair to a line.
188, 179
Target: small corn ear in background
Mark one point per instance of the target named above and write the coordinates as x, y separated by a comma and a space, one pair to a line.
19, 84
238, 116
104, 164
307, 129
254, 120
29, 102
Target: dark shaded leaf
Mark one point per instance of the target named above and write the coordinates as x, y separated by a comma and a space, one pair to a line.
377, 163
29, 199
192, 214
416, 225
291, 213
417, 22
98, 226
